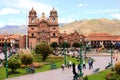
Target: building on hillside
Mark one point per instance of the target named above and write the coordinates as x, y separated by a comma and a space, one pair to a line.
104, 40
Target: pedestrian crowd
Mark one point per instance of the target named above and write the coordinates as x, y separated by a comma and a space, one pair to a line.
90, 62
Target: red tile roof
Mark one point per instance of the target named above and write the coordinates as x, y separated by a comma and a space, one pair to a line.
102, 37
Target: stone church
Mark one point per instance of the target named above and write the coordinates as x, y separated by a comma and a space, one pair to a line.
46, 29
42, 28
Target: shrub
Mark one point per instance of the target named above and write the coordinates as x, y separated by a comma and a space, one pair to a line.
22, 66
108, 76
13, 65
85, 78
117, 67
112, 76
26, 57
44, 49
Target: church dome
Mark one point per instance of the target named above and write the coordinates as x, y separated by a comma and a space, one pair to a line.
43, 17
32, 11
53, 10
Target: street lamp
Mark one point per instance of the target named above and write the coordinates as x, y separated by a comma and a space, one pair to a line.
65, 57
111, 46
81, 74
6, 57
86, 45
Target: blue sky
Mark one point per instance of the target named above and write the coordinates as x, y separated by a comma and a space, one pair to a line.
15, 12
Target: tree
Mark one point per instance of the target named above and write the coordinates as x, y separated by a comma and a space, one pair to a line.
13, 65
26, 58
75, 44
44, 49
117, 67
54, 45
65, 45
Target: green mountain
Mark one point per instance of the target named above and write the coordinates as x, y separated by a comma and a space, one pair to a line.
92, 26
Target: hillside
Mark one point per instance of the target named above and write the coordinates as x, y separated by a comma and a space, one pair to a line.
94, 25
19, 29
82, 26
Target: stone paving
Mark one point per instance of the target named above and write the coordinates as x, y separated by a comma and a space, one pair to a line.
58, 74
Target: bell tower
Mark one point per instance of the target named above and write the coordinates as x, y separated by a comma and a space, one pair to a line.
32, 16
53, 17
54, 29
32, 28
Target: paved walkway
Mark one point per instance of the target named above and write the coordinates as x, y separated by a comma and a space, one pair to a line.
58, 74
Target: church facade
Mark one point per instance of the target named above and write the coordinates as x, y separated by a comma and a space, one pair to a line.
42, 29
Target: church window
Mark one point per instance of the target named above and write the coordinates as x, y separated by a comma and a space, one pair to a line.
32, 20
32, 28
53, 28
53, 34
32, 14
53, 19
32, 35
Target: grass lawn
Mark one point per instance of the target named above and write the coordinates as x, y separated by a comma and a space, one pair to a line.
2, 73
100, 75
22, 71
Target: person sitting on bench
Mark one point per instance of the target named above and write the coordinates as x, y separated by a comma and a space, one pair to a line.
32, 69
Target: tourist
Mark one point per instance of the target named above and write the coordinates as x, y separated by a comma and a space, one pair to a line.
89, 63
74, 70
69, 64
62, 66
84, 65
78, 68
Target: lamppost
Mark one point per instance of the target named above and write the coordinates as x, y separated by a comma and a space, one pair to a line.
111, 46
86, 45
65, 56
6, 57
81, 74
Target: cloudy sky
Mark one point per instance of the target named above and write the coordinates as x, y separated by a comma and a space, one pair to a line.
15, 12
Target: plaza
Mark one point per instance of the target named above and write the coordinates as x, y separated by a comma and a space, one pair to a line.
59, 40
101, 61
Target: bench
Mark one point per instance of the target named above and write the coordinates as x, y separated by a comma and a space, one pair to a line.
30, 70
96, 70
53, 66
109, 65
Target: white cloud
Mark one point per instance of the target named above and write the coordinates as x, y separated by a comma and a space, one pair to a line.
28, 4
68, 19
116, 15
82, 5
6, 11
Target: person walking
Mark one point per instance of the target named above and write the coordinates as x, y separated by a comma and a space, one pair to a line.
74, 71
89, 63
70, 64
84, 65
62, 66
